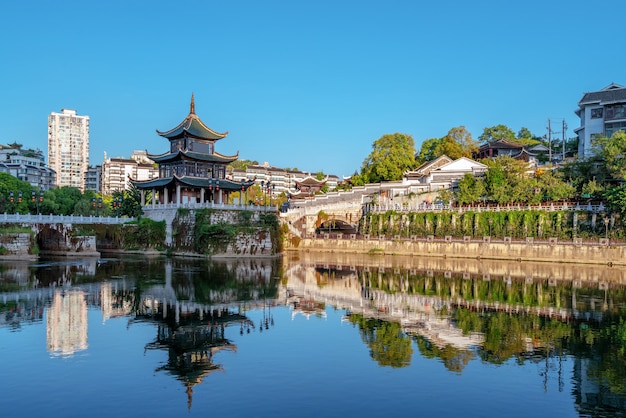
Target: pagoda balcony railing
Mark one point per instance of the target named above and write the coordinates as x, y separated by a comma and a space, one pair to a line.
211, 205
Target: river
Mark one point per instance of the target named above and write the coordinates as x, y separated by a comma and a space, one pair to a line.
310, 335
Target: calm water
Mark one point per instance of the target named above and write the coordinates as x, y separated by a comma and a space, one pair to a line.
311, 336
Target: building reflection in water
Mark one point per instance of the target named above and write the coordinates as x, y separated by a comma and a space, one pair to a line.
459, 310
452, 310
66, 323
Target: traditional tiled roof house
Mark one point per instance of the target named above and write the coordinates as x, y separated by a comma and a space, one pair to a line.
308, 187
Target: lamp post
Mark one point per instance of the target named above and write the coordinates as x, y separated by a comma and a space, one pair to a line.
241, 195
490, 223
210, 190
117, 204
33, 197
606, 227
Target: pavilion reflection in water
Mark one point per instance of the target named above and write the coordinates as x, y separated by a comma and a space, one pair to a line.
556, 307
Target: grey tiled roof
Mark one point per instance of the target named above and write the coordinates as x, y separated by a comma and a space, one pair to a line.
605, 96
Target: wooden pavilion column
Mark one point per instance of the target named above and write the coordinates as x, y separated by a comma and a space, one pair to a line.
178, 195
143, 197
153, 196
165, 196
202, 195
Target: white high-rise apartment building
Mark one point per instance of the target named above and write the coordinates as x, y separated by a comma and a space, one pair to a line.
68, 147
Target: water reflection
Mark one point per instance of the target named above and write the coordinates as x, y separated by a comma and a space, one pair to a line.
66, 324
455, 311
461, 310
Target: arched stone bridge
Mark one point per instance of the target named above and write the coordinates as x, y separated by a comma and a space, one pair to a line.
53, 234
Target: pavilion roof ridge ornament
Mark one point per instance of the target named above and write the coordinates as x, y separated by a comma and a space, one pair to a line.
192, 126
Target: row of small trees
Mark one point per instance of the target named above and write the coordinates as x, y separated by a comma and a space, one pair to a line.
514, 224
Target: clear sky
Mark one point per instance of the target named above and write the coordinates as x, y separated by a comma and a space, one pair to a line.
306, 84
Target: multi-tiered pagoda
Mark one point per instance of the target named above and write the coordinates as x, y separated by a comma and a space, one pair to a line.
191, 171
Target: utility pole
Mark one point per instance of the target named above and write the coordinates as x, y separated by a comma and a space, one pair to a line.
563, 131
549, 142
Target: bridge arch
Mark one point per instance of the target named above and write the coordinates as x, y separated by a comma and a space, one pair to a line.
50, 238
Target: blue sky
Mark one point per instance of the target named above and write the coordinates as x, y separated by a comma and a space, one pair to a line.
306, 84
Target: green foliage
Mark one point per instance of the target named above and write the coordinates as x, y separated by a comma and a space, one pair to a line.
612, 150
392, 155
388, 345
496, 133
145, 234
470, 190
243, 164
515, 224
616, 198
455, 144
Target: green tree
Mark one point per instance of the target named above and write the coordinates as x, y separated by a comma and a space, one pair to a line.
8, 184
503, 174
613, 152
496, 133
242, 164
392, 155
428, 150
553, 186
458, 143
470, 190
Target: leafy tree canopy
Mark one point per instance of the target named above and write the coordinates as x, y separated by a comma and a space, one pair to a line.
242, 164
613, 151
392, 155
457, 143
496, 133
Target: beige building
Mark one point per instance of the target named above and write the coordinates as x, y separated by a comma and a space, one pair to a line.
117, 171
68, 147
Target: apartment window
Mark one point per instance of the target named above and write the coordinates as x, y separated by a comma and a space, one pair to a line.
596, 113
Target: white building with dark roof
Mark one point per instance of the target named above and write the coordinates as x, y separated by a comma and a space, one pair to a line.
601, 113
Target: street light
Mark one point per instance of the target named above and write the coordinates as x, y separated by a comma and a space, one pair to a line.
606, 227
490, 223
33, 197
117, 204
242, 189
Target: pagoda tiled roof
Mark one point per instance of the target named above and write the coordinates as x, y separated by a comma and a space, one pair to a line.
225, 184
192, 155
192, 126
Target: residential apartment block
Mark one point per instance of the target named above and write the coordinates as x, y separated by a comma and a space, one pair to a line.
93, 178
601, 113
280, 179
27, 165
68, 147
117, 171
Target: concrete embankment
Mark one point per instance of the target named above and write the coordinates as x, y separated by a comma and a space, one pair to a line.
551, 251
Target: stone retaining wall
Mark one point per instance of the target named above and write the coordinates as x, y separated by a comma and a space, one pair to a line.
550, 251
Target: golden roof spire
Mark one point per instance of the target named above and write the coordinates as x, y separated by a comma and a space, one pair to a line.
192, 106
